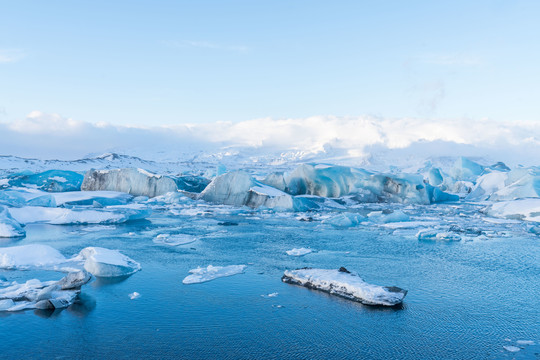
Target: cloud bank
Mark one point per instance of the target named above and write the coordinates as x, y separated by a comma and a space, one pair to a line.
354, 140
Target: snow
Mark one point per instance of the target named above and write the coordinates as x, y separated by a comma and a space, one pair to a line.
346, 284
136, 182
82, 215
103, 262
298, 252
175, 239
200, 275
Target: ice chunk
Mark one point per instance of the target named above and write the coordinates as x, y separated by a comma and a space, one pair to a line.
511, 348
103, 262
175, 239
431, 235
346, 284
435, 177
523, 209
132, 181
436, 195
388, 216
104, 198
82, 215
29, 256
298, 252
134, 295
344, 220
525, 342
466, 169
238, 188
200, 275
9, 227
35, 294
51, 180
18, 197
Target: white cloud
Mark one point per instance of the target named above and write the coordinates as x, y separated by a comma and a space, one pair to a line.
332, 138
11, 55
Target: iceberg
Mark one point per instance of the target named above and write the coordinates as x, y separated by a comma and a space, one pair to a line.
200, 275
298, 252
103, 198
51, 180
35, 294
30, 256
137, 182
508, 185
82, 215
103, 262
18, 197
345, 284
344, 220
388, 216
523, 209
191, 183
9, 227
466, 169
238, 188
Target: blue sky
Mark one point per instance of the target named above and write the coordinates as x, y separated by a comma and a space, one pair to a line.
155, 63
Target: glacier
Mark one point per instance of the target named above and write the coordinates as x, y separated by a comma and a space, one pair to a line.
345, 284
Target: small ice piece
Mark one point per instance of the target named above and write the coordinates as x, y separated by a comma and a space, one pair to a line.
344, 220
28, 256
274, 294
103, 262
200, 275
388, 216
175, 239
525, 342
345, 284
427, 235
9, 227
298, 252
511, 348
134, 295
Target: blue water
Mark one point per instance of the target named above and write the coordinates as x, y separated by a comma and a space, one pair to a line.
465, 298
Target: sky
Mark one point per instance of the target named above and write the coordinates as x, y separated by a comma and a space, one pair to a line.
166, 63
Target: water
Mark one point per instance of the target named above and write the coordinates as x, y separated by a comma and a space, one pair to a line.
465, 298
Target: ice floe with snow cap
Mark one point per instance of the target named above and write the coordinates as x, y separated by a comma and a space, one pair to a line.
103, 262
345, 284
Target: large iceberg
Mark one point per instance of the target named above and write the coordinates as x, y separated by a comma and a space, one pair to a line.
30, 256
9, 227
523, 209
51, 180
508, 185
200, 275
35, 294
103, 262
238, 188
345, 284
137, 182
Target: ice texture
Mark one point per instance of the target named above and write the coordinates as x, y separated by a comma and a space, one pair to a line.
136, 182
34, 294
238, 188
344, 220
523, 209
51, 180
103, 262
9, 227
80, 215
103, 198
298, 252
200, 275
30, 256
18, 197
345, 284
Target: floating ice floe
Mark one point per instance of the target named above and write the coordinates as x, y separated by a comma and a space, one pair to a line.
103, 262
81, 215
30, 256
511, 348
344, 220
9, 227
174, 239
200, 275
134, 295
345, 284
434, 235
523, 209
298, 252
35, 294
238, 188
132, 181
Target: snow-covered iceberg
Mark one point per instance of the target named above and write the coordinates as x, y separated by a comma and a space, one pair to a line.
200, 275
345, 284
35, 294
9, 227
137, 182
509, 185
30, 256
523, 209
103, 262
238, 188
80, 215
